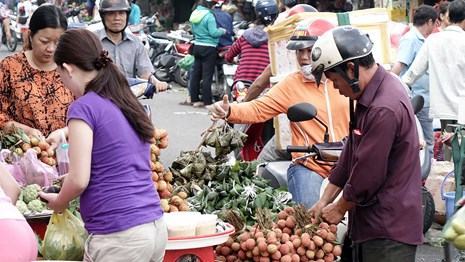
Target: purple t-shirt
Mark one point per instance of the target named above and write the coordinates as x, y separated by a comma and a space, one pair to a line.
120, 194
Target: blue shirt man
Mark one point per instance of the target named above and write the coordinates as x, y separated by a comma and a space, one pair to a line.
224, 20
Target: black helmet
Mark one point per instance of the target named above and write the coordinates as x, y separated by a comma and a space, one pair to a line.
266, 11
113, 6
342, 44
290, 3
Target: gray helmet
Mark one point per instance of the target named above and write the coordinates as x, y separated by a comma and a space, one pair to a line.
114, 6
339, 45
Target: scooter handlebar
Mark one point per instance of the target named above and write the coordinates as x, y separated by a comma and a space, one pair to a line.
299, 149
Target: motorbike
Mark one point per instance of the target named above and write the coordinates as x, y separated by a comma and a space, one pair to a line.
152, 24
10, 45
15, 32
258, 134
166, 62
276, 172
229, 70
138, 31
143, 89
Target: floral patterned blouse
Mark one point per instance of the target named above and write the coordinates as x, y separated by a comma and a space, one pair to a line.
32, 97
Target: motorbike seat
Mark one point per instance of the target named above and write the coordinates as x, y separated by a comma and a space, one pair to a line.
160, 35
276, 173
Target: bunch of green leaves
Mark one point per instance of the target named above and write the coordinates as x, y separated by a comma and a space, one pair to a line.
194, 169
13, 137
236, 187
224, 139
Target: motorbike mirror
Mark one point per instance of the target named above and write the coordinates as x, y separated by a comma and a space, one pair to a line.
417, 103
301, 112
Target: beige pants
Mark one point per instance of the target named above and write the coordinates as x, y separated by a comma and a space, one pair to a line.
141, 243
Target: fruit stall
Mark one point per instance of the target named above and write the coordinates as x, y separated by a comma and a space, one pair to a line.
216, 209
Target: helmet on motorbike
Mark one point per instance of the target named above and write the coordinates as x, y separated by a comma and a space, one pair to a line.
337, 46
289, 3
266, 11
301, 8
306, 33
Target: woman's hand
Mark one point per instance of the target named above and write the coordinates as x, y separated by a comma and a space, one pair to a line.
53, 202
56, 137
34, 132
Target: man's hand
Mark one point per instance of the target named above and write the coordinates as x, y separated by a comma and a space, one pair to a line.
52, 202
219, 110
159, 85
315, 210
333, 213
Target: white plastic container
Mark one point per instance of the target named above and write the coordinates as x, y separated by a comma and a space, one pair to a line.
206, 225
181, 224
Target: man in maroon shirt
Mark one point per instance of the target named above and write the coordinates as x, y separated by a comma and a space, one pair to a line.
379, 169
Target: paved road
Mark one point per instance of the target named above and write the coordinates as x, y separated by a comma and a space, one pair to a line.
185, 125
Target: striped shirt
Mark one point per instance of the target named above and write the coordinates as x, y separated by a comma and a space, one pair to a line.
253, 60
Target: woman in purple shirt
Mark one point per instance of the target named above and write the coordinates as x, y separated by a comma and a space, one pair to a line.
109, 149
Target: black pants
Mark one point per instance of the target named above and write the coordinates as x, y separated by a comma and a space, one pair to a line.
204, 67
383, 250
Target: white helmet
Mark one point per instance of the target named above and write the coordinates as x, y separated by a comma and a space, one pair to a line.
339, 45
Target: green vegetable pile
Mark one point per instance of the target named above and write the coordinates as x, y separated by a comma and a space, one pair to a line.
236, 187
28, 202
215, 186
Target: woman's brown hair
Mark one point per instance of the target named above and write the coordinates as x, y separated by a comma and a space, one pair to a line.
83, 49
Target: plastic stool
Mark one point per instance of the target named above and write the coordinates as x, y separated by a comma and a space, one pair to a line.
205, 254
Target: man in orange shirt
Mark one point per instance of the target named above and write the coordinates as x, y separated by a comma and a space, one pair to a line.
304, 176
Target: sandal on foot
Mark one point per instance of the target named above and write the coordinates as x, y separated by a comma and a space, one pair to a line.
185, 103
198, 104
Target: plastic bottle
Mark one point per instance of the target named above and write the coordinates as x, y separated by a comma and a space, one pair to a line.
62, 159
62, 156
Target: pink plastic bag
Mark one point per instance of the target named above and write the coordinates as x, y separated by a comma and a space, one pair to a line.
35, 171
13, 166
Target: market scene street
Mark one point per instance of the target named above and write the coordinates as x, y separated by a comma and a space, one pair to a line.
240, 130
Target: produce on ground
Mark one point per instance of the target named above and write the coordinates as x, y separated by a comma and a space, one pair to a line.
454, 230
162, 178
18, 142
291, 237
